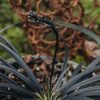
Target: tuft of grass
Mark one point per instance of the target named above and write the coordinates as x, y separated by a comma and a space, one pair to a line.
81, 86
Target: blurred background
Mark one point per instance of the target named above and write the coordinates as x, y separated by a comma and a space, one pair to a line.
17, 35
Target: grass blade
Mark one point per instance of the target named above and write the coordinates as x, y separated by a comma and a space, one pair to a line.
77, 70
25, 81
87, 32
73, 81
85, 83
15, 89
3, 61
10, 26
5, 78
22, 64
9, 44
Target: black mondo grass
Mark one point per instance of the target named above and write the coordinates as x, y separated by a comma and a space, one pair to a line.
80, 86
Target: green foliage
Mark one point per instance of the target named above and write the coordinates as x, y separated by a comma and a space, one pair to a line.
15, 35
91, 13
6, 14
80, 59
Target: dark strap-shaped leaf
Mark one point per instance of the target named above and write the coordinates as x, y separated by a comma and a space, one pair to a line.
15, 89
3, 61
92, 94
86, 90
10, 26
4, 77
73, 80
83, 30
77, 98
3, 39
77, 70
94, 63
85, 83
25, 81
22, 64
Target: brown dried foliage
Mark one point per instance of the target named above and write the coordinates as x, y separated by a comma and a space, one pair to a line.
41, 38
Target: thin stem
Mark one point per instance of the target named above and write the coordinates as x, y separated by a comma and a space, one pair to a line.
40, 20
55, 54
